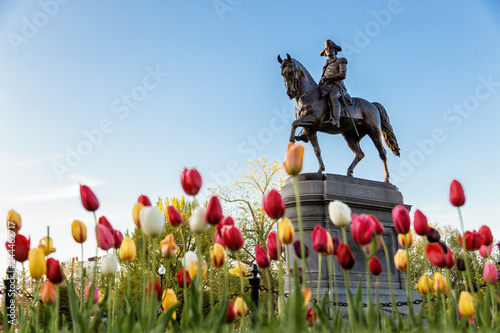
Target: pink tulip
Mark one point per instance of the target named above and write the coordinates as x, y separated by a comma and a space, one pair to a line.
362, 229
490, 273
320, 239
401, 219
485, 251
96, 293
118, 236
485, 232
106, 239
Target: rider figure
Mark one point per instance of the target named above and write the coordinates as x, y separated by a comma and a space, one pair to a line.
331, 83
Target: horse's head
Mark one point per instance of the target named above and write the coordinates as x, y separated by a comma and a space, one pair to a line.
290, 74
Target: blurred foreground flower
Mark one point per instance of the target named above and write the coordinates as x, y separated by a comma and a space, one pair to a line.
152, 221
345, 256
37, 266
54, 272
174, 217
169, 300
230, 316
457, 195
95, 298
286, 231
218, 255
297, 249
105, 237
294, 158
88, 198
439, 283
14, 222
272, 246
79, 231
197, 221
420, 223
19, 247
46, 245
486, 235
156, 289
191, 181
240, 307
307, 294
362, 229
466, 304
214, 211
401, 260
127, 249
490, 273
109, 264
273, 204
401, 219
180, 278
340, 213
48, 293
236, 269
261, 257
375, 266
168, 247
233, 238
425, 285
405, 240
473, 240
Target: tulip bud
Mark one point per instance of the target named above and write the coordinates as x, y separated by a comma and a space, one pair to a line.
272, 246
152, 291
79, 231
439, 283
127, 249
297, 248
490, 273
105, 237
261, 257
230, 316
345, 257
109, 265
273, 204
240, 308
144, 200
118, 236
485, 233
152, 221
473, 240
457, 195
340, 213
232, 238
311, 317
401, 260
401, 219
466, 304
54, 272
14, 222
180, 278
37, 265
168, 247
286, 231
375, 266
89, 200
197, 221
294, 158
307, 294
104, 221
425, 285
46, 245
420, 223
485, 251
169, 299
19, 248
362, 229
88, 289
214, 211
433, 236
320, 239
174, 217
48, 293
461, 265
239, 269
218, 255
136, 213
191, 181
405, 240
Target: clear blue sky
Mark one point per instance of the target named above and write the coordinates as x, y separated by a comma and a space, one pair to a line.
164, 85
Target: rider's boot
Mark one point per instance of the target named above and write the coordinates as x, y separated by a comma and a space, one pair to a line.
335, 112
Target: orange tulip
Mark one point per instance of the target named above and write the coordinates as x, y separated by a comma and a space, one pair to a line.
136, 212
48, 293
294, 158
168, 246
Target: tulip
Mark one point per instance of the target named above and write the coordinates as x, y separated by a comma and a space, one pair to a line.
320, 239
405, 240
239, 269
14, 222
180, 278
143, 199
379, 228
127, 249
95, 299
19, 247
362, 229
272, 247
79, 231
197, 221
335, 243
232, 238
43, 245
420, 223
461, 265
436, 255
485, 251
218, 255
340, 213
273, 204
169, 300
156, 289
37, 265
330, 249
345, 257
307, 294
48, 293
401, 219
218, 239
118, 236
168, 247
433, 236
401, 260
189, 258
294, 158
106, 239
373, 246
136, 213
109, 265
226, 221
490, 273
286, 231
89, 200
457, 195
104, 221
152, 221
240, 307
466, 304
191, 181
54, 272
375, 266
439, 283
174, 217
298, 252
214, 211
193, 269
450, 258
485, 232
230, 316
473, 240
311, 317
261, 257
425, 285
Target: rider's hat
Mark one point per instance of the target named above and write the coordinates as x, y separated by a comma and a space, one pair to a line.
330, 44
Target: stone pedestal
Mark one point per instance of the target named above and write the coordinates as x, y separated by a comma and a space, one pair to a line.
363, 197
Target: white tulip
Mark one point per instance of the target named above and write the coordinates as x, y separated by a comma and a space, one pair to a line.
188, 259
152, 221
340, 213
109, 265
198, 221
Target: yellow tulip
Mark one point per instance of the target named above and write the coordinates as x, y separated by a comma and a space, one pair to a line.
286, 231
169, 299
193, 269
43, 245
405, 240
218, 255
294, 158
168, 247
401, 260
79, 231
240, 308
136, 212
466, 304
14, 222
127, 249
439, 282
307, 293
48, 293
425, 285
37, 265
236, 269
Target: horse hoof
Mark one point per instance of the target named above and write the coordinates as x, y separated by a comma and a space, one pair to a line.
349, 173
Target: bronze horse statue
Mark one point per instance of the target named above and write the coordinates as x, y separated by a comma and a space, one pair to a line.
311, 111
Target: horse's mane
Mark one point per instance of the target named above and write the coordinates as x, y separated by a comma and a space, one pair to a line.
306, 72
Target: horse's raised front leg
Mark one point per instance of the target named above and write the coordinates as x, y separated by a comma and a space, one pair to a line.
311, 135
306, 122
353, 143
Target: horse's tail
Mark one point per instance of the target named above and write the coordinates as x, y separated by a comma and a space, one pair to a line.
387, 131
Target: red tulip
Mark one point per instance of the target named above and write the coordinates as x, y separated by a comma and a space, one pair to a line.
214, 211
450, 258
191, 181
336, 243
144, 200
231, 316
273, 204
226, 221
174, 217
433, 236
157, 289
218, 239
118, 236
401, 219
19, 248
485, 232
298, 250
232, 238
490, 273
104, 221
272, 247
261, 257
320, 239
54, 272
106, 239
311, 317
375, 266
379, 228
89, 200
362, 229
180, 278
345, 257
473, 240
436, 255
457, 195
420, 223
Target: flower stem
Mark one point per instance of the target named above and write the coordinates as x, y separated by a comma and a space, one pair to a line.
237, 256
330, 287
393, 300
319, 277
82, 280
301, 231
184, 277
270, 296
335, 284
128, 278
281, 287
466, 258
368, 282
199, 275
